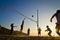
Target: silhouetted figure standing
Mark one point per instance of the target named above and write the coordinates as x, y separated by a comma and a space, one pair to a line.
22, 25
48, 29
28, 31
57, 15
39, 31
12, 28
0, 27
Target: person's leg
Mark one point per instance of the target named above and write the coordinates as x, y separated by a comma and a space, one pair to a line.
20, 30
28, 33
11, 32
57, 31
49, 33
40, 33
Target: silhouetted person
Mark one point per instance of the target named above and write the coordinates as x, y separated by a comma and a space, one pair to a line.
39, 31
22, 25
0, 27
57, 15
12, 26
48, 29
28, 31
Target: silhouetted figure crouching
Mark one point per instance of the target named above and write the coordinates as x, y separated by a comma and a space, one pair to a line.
48, 29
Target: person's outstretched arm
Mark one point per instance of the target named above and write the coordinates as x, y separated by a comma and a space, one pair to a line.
46, 30
52, 17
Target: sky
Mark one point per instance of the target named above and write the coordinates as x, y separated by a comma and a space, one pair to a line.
46, 8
